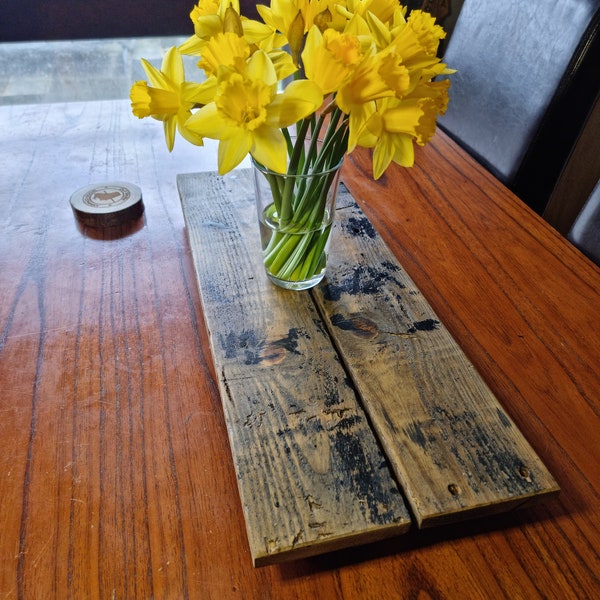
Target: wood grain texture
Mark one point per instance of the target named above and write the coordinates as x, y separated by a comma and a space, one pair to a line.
116, 476
453, 448
311, 475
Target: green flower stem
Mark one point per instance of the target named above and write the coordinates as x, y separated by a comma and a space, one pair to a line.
296, 258
280, 257
328, 157
286, 213
295, 251
312, 262
276, 190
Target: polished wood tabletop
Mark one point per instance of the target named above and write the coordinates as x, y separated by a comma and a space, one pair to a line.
116, 477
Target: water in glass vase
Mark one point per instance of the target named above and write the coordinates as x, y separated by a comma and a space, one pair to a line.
295, 257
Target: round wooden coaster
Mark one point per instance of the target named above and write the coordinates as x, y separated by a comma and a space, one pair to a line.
107, 204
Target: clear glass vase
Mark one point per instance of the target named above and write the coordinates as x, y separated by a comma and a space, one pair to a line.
295, 215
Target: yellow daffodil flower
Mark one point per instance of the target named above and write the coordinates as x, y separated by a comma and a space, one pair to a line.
247, 114
209, 16
224, 49
378, 76
169, 98
382, 9
437, 91
330, 57
417, 43
396, 124
214, 17
324, 14
281, 14
427, 31
206, 7
380, 32
293, 18
377, 64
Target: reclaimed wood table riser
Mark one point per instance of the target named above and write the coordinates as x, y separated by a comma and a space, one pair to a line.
312, 384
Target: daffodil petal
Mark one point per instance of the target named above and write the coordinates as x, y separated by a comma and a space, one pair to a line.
206, 26
378, 30
405, 151
172, 66
199, 93
313, 43
270, 149
261, 67
256, 32
299, 99
358, 119
155, 77
283, 64
170, 126
192, 46
207, 122
140, 99
186, 133
404, 118
153, 102
233, 150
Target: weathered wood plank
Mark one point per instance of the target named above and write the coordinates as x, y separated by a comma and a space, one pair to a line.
311, 474
455, 451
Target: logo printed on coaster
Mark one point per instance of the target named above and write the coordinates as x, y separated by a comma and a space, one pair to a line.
106, 195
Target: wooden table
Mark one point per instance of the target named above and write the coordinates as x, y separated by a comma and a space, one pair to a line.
116, 478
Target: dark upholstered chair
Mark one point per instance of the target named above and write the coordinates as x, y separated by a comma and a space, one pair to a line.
528, 75
579, 176
585, 233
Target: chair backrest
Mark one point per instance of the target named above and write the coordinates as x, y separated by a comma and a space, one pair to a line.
578, 177
585, 233
527, 75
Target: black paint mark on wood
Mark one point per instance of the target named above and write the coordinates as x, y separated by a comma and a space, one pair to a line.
360, 226
503, 418
244, 342
415, 434
425, 325
364, 279
357, 475
289, 342
256, 350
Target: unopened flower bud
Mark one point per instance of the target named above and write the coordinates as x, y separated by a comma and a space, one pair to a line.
296, 37
323, 19
232, 23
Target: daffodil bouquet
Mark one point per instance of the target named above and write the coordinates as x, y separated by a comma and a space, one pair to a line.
297, 90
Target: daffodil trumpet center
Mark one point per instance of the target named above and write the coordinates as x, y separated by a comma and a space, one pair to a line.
244, 103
